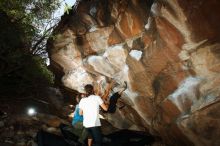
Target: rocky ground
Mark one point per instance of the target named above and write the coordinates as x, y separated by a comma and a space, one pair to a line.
19, 125
18, 128
21, 130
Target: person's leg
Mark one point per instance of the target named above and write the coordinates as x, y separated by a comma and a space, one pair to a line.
114, 98
97, 135
78, 129
89, 142
124, 88
84, 136
112, 102
107, 91
90, 136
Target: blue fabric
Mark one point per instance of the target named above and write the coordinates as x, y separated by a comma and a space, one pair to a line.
77, 117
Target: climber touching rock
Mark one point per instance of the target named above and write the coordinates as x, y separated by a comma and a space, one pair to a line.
89, 108
112, 100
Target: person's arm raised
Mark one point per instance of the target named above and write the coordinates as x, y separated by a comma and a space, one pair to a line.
102, 103
107, 91
104, 106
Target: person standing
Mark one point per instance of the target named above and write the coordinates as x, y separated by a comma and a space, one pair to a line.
75, 134
77, 121
77, 118
89, 108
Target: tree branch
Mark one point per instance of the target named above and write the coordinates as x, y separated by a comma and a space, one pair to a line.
34, 48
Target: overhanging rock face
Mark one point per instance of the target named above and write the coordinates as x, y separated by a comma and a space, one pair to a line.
167, 51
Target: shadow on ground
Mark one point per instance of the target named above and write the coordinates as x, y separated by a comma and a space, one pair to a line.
119, 138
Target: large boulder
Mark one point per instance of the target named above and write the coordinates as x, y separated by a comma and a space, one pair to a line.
167, 51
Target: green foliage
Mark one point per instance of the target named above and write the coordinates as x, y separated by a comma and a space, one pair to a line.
23, 73
38, 70
67, 8
32, 15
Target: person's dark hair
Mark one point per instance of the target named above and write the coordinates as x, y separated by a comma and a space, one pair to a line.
79, 96
89, 89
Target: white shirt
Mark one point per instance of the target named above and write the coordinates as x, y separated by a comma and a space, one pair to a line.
90, 108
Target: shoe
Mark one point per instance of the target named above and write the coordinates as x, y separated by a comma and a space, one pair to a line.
120, 88
125, 85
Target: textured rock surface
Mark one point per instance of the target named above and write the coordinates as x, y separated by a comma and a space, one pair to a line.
167, 51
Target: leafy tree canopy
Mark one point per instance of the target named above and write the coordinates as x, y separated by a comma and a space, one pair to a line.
35, 17
25, 26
